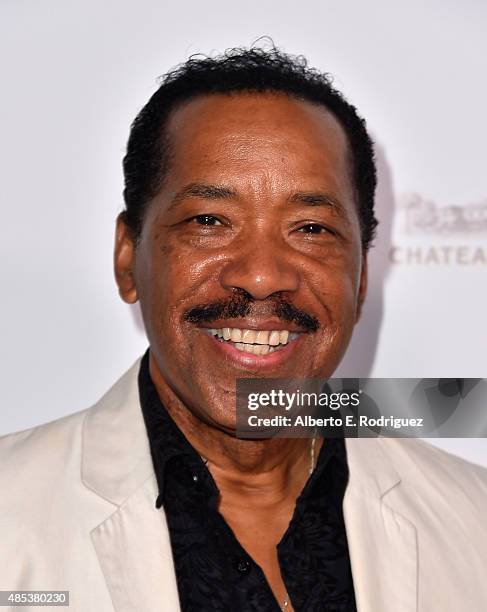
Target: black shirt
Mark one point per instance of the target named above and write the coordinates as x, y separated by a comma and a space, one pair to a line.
214, 573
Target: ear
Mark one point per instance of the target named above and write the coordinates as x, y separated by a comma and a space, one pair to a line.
124, 261
362, 290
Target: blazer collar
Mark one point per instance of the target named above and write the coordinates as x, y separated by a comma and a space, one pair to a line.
372, 471
116, 456
382, 540
132, 541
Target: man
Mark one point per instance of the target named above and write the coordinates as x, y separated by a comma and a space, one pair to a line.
249, 191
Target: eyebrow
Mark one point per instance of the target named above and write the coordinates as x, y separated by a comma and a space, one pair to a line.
219, 192
201, 190
318, 198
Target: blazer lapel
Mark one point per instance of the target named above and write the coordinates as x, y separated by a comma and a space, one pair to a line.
382, 542
134, 551
132, 542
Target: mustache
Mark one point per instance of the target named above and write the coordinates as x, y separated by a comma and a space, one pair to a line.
240, 304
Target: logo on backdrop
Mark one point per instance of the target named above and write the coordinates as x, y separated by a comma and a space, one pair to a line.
429, 234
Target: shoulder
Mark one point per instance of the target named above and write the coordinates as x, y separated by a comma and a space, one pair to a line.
40, 483
434, 477
26, 451
420, 459
44, 456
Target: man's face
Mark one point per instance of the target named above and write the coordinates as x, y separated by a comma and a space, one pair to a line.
249, 262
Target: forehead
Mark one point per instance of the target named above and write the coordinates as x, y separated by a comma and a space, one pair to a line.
256, 133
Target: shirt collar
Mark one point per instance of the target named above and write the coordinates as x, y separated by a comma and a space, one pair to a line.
167, 442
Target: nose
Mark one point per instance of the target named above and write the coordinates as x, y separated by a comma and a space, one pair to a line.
261, 268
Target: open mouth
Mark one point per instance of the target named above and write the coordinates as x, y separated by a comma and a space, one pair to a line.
256, 342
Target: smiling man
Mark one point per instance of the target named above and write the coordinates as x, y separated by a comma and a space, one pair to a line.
249, 214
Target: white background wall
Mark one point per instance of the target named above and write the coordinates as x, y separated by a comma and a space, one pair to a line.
73, 76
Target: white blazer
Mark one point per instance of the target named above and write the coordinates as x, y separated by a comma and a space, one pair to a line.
77, 513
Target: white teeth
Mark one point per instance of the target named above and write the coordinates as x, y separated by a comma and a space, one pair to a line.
254, 349
236, 334
248, 336
262, 337
255, 342
274, 338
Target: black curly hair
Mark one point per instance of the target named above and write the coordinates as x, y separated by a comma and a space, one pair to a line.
250, 70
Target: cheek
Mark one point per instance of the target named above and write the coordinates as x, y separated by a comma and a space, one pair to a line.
169, 277
343, 301
337, 298
335, 286
155, 286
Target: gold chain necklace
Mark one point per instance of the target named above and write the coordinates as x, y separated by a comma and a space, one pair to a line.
286, 602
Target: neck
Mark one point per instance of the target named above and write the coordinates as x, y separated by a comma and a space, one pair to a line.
270, 469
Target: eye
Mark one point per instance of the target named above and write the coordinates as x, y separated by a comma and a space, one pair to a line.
206, 220
313, 228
